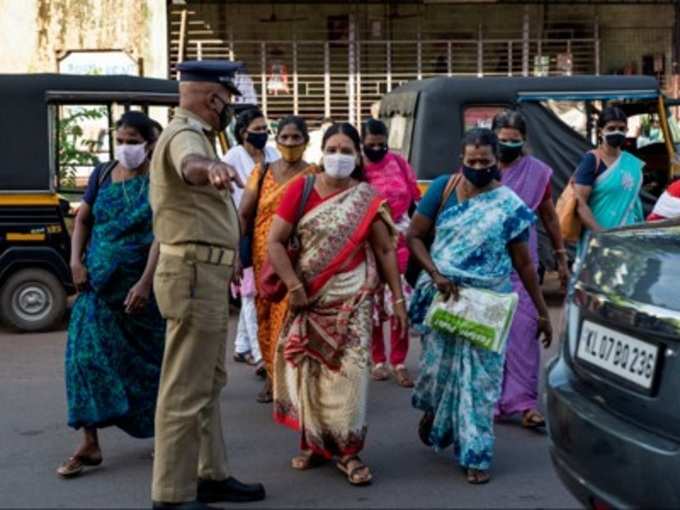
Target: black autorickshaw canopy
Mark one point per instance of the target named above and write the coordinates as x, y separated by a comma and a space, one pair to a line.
433, 111
28, 160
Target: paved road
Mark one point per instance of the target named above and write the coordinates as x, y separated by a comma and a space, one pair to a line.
34, 439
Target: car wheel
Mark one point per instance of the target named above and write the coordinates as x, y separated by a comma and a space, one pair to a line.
32, 300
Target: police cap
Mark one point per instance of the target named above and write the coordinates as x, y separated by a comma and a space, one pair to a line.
216, 71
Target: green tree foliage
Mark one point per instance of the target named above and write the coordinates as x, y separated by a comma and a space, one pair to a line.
75, 150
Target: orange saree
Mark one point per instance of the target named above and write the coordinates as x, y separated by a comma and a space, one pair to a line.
270, 316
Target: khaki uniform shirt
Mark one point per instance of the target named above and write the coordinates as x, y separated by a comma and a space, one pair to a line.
183, 213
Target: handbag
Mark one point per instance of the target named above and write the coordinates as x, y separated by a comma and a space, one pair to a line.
567, 208
271, 287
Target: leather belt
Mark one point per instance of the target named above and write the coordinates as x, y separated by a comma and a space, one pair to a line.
205, 253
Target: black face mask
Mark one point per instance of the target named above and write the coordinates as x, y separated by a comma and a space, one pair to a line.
257, 140
481, 178
375, 155
615, 140
509, 152
225, 115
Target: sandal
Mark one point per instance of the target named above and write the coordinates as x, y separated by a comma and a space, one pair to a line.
74, 465
307, 460
261, 370
478, 476
532, 419
402, 376
244, 357
425, 428
380, 372
265, 396
353, 474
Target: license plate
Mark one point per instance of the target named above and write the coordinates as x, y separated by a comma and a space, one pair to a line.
622, 355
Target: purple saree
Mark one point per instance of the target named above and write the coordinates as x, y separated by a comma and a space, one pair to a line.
528, 177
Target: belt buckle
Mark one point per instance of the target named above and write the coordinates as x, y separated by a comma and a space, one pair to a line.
216, 251
190, 255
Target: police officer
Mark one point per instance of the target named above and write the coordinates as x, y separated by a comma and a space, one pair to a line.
197, 226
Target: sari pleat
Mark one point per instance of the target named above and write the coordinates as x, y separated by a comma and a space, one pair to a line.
113, 359
528, 178
458, 382
323, 354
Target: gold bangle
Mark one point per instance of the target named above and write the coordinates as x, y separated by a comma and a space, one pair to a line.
400, 300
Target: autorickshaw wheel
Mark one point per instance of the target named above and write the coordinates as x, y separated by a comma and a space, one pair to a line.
32, 300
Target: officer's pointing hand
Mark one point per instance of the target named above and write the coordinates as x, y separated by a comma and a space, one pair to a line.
222, 176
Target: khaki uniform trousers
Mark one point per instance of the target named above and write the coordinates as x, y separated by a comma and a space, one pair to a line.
193, 298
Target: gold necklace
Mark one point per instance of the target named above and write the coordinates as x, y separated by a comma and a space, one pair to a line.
141, 190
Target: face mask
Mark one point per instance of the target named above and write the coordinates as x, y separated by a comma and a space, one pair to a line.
375, 155
291, 154
339, 166
615, 139
509, 151
131, 156
257, 140
480, 178
225, 115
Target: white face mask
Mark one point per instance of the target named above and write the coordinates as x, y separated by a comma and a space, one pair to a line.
339, 166
131, 156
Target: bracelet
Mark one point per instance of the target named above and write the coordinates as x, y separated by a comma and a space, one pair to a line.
296, 287
398, 301
563, 251
544, 319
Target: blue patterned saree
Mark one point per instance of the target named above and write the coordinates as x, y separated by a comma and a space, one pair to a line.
113, 359
458, 382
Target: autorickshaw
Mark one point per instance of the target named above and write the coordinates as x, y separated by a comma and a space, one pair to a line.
53, 129
427, 119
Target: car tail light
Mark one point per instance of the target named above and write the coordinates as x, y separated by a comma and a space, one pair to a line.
598, 504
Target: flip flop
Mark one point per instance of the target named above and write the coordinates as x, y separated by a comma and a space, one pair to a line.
478, 477
532, 419
351, 473
307, 460
380, 372
266, 395
74, 465
244, 357
402, 376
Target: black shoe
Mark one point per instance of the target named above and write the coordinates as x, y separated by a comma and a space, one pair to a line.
189, 505
230, 490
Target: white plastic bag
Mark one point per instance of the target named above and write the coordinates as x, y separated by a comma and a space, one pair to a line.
480, 316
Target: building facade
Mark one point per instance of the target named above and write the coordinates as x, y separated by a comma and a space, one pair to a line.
336, 59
